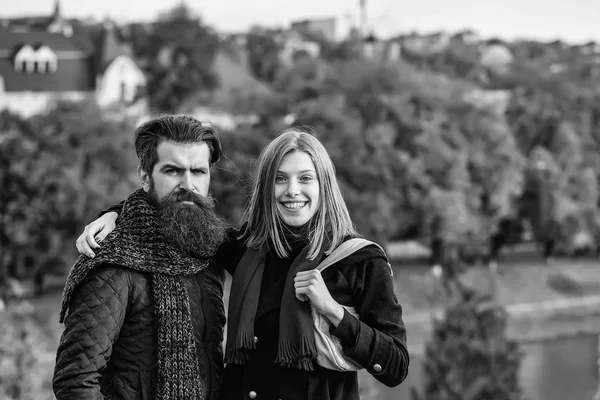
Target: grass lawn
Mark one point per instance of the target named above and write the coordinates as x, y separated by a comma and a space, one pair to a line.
521, 277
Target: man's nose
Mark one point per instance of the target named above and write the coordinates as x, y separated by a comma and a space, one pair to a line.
186, 182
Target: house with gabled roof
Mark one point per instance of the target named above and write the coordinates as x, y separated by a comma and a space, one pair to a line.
45, 59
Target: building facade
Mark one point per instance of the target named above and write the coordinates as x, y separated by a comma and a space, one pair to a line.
43, 60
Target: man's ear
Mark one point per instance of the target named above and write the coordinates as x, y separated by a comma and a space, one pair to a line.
144, 178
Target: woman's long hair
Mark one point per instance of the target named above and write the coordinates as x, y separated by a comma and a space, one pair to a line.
261, 222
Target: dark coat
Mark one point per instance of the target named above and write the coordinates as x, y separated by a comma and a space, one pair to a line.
377, 340
108, 348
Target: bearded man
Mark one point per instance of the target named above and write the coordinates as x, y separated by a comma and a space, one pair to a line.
144, 318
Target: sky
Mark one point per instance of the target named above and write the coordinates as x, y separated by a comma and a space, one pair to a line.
573, 21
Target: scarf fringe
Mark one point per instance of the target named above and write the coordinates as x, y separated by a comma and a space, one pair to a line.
239, 354
301, 356
296, 342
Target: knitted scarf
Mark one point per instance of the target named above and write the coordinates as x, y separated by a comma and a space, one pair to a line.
137, 243
296, 345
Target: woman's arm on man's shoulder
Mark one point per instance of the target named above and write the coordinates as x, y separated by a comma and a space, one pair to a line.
98, 229
116, 208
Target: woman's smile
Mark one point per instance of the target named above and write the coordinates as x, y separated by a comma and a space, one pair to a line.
294, 205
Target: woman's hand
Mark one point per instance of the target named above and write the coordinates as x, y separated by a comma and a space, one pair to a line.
310, 286
95, 232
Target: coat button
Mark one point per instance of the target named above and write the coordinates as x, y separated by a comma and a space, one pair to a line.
377, 368
255, 340
252, 394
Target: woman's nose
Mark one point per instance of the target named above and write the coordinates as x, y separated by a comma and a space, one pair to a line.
292, 189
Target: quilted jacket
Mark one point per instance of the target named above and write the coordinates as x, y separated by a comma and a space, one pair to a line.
108, 348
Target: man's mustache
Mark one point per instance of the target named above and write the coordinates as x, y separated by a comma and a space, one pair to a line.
191, 196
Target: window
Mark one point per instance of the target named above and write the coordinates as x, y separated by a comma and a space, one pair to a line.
47, 60
123, 92
40, 61
24, 59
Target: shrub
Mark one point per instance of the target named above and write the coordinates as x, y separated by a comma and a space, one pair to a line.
469, 356
26, 356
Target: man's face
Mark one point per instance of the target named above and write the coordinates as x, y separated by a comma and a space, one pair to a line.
179, 185
180, 167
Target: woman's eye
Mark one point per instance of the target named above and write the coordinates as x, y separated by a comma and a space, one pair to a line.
279, 179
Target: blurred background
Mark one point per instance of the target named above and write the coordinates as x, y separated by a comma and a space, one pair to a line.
466, 137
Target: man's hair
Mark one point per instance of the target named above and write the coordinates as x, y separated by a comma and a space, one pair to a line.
175, 128
330, 224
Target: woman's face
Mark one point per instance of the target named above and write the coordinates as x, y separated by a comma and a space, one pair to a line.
296, 189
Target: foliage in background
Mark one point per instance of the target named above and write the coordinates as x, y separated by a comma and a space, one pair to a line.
26, 356
177, 55
434, 145
469, 356
231, 178
263, 54
57, 171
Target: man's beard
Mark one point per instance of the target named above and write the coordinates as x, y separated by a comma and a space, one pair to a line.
194, 228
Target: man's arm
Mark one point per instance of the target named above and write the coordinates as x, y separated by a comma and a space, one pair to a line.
95, 318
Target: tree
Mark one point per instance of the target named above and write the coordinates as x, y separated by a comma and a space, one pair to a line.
469, 356
177, 54
553, 122
263, 54
57, 170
